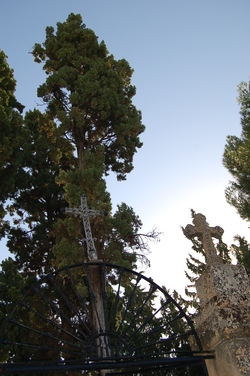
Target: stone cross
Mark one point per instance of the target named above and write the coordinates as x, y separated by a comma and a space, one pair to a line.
85, 213
205, 233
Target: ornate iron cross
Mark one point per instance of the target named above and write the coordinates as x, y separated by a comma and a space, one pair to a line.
205, 233
85, 213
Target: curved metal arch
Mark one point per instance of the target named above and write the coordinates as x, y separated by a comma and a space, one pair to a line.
60, 325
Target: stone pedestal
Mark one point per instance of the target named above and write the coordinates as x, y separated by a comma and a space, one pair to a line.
223, 323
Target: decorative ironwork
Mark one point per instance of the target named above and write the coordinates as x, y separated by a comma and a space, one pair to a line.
144, 331
85, 213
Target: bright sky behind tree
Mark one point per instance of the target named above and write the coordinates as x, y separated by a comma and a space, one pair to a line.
188, 58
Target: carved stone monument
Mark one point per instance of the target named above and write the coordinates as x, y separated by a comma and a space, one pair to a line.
223, 322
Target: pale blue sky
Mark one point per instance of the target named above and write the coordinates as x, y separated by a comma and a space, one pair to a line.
188, 56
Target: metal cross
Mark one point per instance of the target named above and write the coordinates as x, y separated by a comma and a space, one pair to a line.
205, 233
85, 213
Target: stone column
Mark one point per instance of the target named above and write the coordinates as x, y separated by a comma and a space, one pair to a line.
223, 323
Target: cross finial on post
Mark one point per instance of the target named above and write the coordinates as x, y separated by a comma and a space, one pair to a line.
205, 233
85, 213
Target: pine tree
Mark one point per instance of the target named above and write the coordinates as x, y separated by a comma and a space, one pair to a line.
10, 135
37, 201
236, 158
89, 110
90, 94
89, 127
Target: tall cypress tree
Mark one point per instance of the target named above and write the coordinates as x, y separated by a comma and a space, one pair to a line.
90, 94
89, 127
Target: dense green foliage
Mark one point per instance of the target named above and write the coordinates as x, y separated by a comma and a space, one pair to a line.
90, 94
10, 133
89, 127
236, 158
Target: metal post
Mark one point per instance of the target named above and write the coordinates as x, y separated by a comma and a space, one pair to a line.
96, 280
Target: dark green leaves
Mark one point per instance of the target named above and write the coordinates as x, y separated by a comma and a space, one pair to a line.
90, 94
236, 159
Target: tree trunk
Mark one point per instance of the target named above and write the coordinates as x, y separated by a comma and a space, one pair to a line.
79, 147
98, 310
